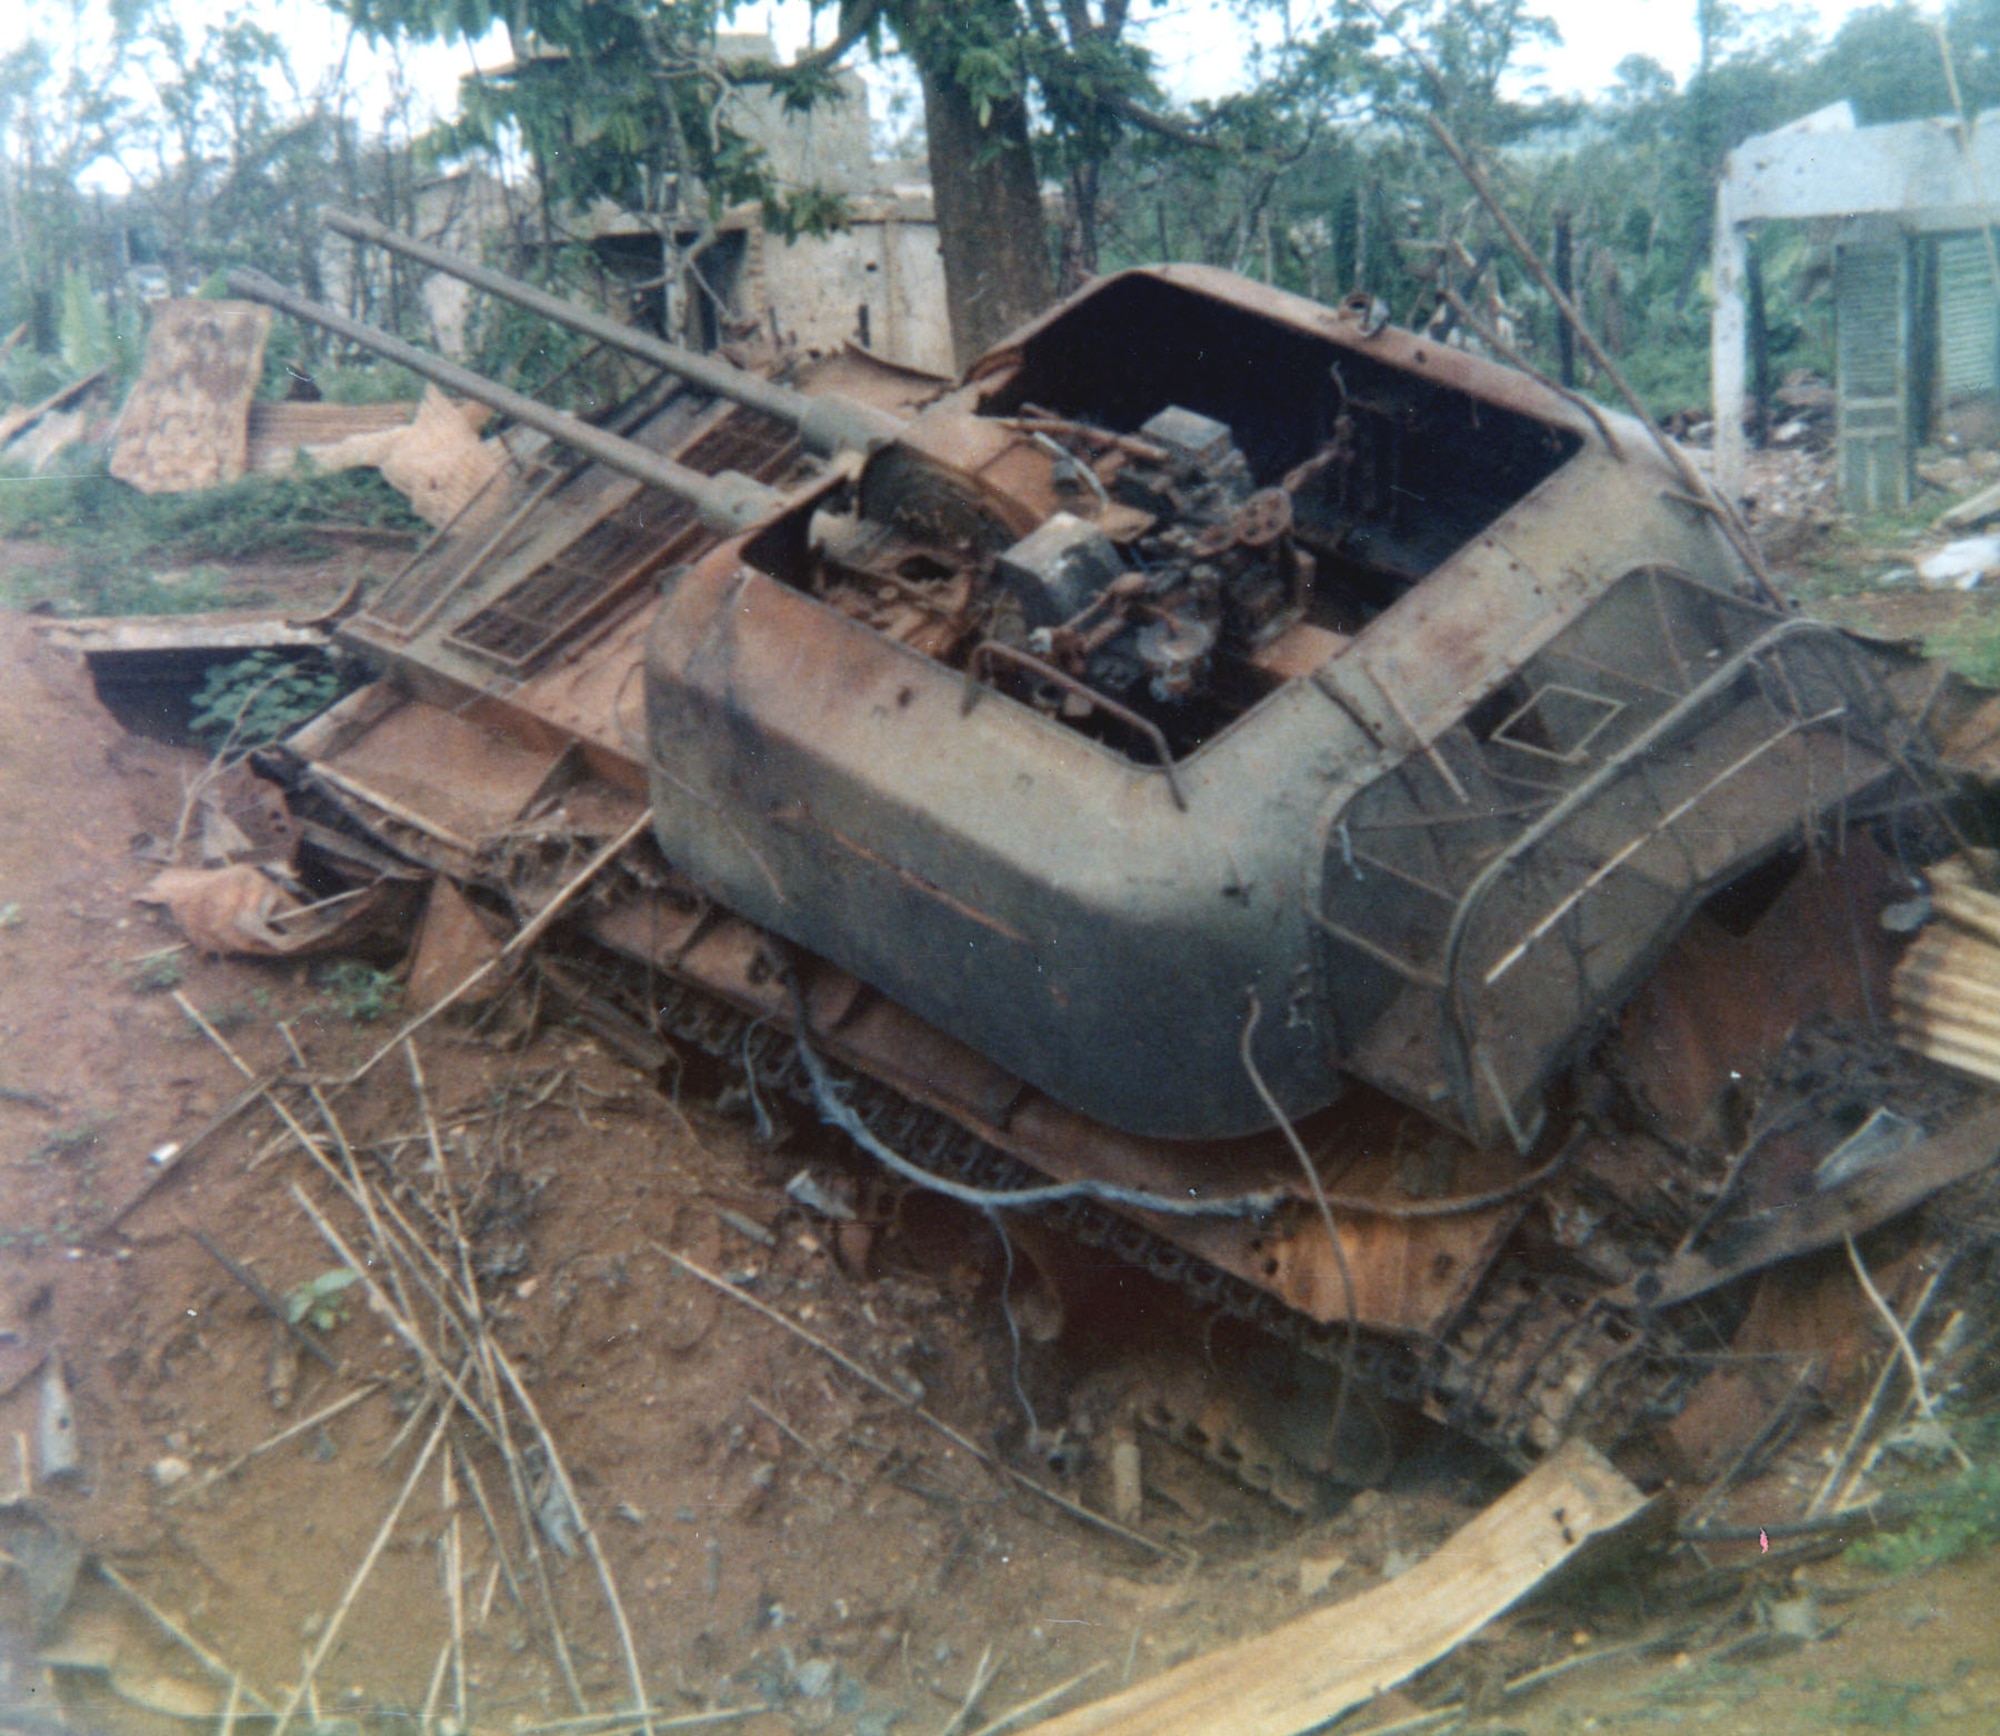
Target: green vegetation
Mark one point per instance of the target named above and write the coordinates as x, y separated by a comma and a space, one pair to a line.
71, 1141
152, 554
359, 992
261, 698
1954, 1518
1874, 1703
319, 1302
158, 972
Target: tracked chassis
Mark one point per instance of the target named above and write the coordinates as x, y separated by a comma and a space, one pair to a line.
1218, 719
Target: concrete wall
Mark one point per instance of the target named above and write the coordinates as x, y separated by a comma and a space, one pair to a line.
879, 283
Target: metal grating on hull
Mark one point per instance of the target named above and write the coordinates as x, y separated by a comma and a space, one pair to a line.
608, 562
445, 560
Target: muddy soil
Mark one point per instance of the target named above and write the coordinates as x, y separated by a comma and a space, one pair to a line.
781, 1535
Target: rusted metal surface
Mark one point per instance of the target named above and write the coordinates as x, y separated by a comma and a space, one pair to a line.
644, 533
1362, 682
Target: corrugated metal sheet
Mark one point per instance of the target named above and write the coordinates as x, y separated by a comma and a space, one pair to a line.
1968, 319
1872, 297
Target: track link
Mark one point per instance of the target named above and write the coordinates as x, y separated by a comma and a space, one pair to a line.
1525, 1366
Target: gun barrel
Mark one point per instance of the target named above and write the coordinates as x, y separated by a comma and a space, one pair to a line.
827, 424
726, 502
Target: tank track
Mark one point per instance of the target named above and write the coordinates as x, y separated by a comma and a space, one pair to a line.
1527, 1364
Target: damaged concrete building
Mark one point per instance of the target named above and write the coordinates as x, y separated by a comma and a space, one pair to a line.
877, 280
1907, 209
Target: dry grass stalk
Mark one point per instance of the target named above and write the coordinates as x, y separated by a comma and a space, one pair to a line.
609, 1723
456, 1299
530, 933
958, 1438
454, 1567
331, 1631
983, 1673
263, 1088
1836, 1478
785, 1428
278, 1440
501, 1565
588, 1532
427, 1722
1039, 1703
413, 1252
386, 1309
1919, 1390
179, 1635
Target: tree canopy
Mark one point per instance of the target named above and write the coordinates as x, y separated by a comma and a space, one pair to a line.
1055, 151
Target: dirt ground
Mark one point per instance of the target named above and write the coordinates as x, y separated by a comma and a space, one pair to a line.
781, 1535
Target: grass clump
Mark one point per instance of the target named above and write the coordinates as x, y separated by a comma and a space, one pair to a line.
318, 1302
69, 1141
359, 992
121, 544
158, 973
1872, 1703
1951, 1520
1972, 648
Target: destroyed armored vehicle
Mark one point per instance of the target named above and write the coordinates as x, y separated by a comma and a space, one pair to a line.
1340, 816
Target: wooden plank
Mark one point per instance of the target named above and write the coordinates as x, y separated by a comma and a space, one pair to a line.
1296, 1677
19, 421
277, 432
186, 423
115, 634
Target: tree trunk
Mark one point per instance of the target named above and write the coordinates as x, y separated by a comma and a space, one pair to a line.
989, 213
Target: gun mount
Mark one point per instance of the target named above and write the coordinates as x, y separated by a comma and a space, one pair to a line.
1219, 721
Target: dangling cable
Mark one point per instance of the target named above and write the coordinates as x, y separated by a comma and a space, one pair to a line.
1352, 1350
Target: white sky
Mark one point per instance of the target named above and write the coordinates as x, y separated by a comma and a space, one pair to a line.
1200, 44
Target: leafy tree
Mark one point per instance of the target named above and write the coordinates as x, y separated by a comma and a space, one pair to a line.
61, 115
627, 99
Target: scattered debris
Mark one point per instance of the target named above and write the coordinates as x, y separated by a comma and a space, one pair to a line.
436, 458
186, 422
1961, 565
1297, 1677
241, 909
56, 1449
1973, 511
280, 435
23, 419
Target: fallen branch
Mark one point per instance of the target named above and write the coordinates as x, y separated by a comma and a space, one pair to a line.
1076, 1510
1300, 1676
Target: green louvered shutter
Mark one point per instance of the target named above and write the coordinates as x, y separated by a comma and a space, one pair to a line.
1872, 299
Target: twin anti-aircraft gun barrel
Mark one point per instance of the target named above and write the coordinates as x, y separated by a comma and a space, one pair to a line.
729, 502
